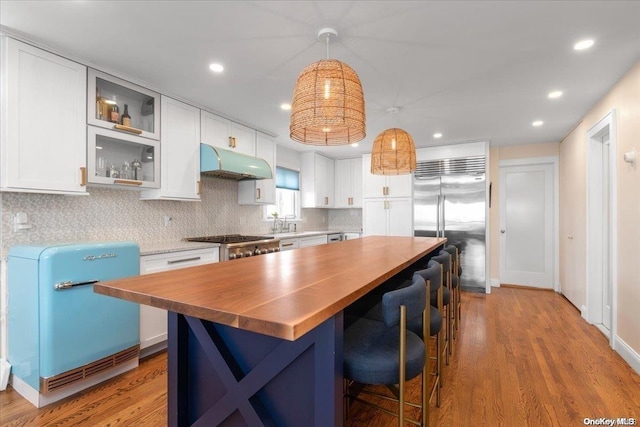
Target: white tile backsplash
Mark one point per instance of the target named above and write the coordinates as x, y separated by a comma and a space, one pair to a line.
112, 214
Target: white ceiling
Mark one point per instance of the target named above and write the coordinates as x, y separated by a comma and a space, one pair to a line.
472, 70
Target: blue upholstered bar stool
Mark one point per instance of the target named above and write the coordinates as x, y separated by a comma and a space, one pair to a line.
444, 259
455, 282
386, 353
432, 275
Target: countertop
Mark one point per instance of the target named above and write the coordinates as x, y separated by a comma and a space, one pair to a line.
177, 246
282, 294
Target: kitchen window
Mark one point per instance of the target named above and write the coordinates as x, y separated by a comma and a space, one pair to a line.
287, 195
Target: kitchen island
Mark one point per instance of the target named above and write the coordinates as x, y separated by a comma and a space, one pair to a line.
258, 341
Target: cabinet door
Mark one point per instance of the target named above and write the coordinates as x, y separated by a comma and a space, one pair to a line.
180, 152
215, 130
372, 185
312, 241
142, 105
44, 144
343, 184
399, 185
244, 139
153, 321
324, 181
400, 216
374, 217
262, 191
356, 182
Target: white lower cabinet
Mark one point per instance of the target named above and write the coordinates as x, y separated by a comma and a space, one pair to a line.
313, 241
388, 217
153, 321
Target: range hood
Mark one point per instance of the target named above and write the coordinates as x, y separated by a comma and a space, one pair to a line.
228, 164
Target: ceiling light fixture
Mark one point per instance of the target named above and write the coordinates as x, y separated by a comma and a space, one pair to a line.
537, 123
555, 94
394, 152
216, 68
328, 102
583, 44
437, 135
285, 106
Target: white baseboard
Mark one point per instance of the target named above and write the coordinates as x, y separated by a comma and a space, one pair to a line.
495, 283
627, 353
583, 313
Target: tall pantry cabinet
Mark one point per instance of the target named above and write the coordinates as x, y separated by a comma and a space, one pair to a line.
387, 207
44, 142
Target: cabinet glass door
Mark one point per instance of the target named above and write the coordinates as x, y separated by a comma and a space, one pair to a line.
117, 158
140, 105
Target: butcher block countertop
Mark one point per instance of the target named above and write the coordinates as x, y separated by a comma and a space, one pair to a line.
283, 294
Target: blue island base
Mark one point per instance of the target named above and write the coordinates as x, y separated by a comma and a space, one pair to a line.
224, 376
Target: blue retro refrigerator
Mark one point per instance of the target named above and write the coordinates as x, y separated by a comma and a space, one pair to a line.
63, 337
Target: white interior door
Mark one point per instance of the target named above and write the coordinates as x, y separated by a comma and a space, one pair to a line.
527, 225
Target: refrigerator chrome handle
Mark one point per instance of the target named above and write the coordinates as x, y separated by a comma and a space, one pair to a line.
438, 217
444, 221
68, 285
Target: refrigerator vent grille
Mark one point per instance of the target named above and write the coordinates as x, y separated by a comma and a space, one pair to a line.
461, 166
50, 384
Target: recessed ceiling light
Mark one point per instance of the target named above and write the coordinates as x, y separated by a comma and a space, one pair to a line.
555, 94
437, 135
285, 106
355, 144
537, 123
216, 68
583, 44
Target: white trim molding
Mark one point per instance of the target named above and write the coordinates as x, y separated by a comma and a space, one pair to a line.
594, 288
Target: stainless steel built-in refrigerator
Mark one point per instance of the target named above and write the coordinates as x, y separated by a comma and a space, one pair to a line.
449, 201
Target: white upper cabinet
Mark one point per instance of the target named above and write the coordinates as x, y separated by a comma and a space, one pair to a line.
141, 105
262, 191
44, 140
316, 181
179, 152
348, 183
384, 185
220, 132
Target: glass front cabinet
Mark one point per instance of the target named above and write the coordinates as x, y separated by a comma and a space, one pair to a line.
123, 142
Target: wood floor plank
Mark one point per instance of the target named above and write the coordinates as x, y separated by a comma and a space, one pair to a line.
523, 357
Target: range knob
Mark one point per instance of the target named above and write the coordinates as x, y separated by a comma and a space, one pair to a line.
258, 251
232, 256
276, 249
248, 253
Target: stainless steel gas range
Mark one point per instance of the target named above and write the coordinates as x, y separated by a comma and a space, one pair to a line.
234, 246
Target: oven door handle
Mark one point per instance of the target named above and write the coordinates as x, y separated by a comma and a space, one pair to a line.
68, 285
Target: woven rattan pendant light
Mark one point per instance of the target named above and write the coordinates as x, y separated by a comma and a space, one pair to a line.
328, 103
394, 153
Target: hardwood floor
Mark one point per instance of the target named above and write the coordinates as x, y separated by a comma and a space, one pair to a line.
522, 358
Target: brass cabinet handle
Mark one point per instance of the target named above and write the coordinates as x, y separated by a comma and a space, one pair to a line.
83, 176
127, 129
199, 184
232, 142
326, 200
127, 182
287, 244
258, 196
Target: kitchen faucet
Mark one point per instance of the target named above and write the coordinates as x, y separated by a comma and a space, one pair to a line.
284, 225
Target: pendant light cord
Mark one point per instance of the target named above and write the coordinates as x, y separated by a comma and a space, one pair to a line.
328, 46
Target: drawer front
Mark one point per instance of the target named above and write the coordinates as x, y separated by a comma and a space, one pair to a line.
175, 260
288, 244
313, 241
